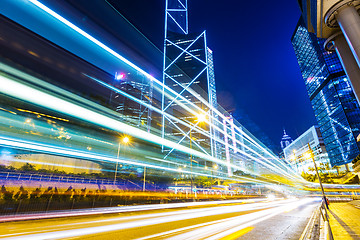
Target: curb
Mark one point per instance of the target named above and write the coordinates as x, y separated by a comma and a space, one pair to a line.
311, 230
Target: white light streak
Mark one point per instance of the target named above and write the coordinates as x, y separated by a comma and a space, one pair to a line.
161, 218
112, 52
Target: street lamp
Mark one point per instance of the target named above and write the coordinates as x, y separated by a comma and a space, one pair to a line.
200, 118
125, 140
214, 167
309, 155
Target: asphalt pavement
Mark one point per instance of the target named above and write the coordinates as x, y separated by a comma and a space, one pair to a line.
266, 219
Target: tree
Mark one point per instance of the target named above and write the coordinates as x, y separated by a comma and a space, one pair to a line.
203, 181
28, 167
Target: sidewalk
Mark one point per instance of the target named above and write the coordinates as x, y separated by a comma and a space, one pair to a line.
345, 220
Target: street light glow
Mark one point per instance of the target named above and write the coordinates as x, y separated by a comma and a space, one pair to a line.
125, 140
201, 118
307, 155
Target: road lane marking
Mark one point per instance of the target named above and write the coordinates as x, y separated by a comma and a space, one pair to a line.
238, 234
162, 234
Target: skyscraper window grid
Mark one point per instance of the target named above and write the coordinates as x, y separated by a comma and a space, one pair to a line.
330, 94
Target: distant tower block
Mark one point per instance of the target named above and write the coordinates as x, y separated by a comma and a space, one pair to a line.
285, 140
189, 73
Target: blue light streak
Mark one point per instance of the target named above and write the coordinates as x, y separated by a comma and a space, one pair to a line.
177, 146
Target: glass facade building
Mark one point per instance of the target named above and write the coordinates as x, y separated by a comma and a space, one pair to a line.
336, 109
295, 153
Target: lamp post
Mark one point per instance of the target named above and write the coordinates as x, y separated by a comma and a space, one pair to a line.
215, 167
191, 177
125, 140
200, 118
310, 154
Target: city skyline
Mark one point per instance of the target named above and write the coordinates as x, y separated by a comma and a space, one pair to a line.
112, 128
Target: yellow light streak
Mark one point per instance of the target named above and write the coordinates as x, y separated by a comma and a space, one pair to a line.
238, 234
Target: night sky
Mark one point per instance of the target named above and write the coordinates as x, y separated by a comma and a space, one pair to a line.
255, 65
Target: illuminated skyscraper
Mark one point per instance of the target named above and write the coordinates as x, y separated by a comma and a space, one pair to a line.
331, 95
338, 22
133, 113
189, 72
295, 153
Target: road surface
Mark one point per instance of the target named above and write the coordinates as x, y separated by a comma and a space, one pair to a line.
247, 219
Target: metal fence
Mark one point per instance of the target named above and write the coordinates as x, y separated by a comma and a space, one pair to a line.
57, 178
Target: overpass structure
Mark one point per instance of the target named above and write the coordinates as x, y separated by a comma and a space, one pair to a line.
72, 89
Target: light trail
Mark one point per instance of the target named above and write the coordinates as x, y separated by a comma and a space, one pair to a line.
106, 48
95, 211
56, 150
52, 148
224, 228
58, 165
216, 227
151, 78
268, 163
145, 104
27, 93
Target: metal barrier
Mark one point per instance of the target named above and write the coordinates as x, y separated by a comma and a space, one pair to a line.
56, 178
325, 217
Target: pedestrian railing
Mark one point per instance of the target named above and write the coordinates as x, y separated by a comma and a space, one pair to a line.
324, 214
56, 178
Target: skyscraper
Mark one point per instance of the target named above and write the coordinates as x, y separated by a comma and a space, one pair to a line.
189, 72
285, 140
338, 21
336, 109
295, 153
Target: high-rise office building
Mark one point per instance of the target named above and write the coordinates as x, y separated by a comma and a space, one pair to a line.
331, 95
133, 112
338, 22
295, 153
189, 72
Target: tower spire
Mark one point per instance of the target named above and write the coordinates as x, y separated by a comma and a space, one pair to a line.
285, 140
